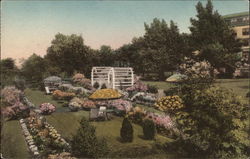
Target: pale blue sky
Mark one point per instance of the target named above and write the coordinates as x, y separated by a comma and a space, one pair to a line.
29, 26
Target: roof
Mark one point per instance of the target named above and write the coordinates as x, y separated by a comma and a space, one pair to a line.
53, 79
236, 15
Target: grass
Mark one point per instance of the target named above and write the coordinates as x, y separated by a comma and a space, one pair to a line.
111, 131
159, 84
239, 86
38, 97
13, 143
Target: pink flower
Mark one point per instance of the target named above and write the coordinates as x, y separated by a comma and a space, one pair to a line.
47, 108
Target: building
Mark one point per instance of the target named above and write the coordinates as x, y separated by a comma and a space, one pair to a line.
240, 24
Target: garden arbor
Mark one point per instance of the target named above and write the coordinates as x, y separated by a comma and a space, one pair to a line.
113, 77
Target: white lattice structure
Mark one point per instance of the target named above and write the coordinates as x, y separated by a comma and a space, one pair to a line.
113, 77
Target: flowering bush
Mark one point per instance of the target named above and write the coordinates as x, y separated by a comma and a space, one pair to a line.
161, 120
85, 83
78, 77
57, 94
122, 105
11, 95
88, 104
138, 86
18, 110
47, 108
169, 103
105, 94
200, 70
74, 106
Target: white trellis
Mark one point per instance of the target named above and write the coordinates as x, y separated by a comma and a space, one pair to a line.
113, 77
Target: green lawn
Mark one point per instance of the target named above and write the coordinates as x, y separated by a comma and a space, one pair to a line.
13, 144
67, 124
38, 97
239, 86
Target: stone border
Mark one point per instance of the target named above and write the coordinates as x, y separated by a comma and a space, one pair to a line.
29, 139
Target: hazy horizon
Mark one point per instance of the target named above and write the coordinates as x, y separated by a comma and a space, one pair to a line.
28, 27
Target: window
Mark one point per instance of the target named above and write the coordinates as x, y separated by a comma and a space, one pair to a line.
245, 31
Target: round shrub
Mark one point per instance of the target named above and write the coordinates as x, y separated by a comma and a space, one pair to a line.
126, 131
149, 129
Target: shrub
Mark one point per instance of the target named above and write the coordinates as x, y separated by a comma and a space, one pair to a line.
85, 83
171, 91
126, 131
103, 86
74, 106
88, 104
121, 104
248, 94
78, 77
213, 125
85, 143
138, 86
149, 130
47, 108
11, 95
96, 85
152, 89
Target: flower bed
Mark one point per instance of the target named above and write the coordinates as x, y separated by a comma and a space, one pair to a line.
169, 104
77, 103
59, 95
164, 123
11, 95
47, 108
29, 139
45, 136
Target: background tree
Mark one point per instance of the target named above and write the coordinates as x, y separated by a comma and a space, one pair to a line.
213, 38
9, 71
164, 47
69, 54
106, 56
33, 69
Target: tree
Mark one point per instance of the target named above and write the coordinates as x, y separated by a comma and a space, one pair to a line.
164, 47
69, 54
33, 70
106, 56
126, 131
213, 38
9, 71
85, 144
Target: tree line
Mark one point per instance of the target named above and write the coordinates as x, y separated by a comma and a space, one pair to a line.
161, 49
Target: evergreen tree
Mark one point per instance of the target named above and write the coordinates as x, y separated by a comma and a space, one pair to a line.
126, 131
85, 144
149, 129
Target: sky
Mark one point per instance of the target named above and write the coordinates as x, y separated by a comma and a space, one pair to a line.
28, 27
